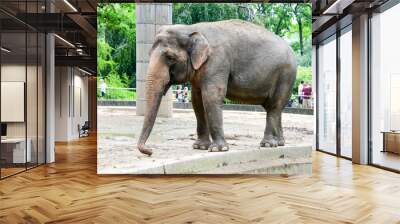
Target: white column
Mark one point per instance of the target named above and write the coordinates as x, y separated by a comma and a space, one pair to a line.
50, 99
149, 17
360, 90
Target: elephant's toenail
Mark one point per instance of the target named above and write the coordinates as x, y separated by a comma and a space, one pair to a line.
213, 149
224, 148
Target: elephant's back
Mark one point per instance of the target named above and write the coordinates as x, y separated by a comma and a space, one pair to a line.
232, 37
239, 32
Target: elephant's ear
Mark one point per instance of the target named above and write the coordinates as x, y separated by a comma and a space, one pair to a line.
199, 49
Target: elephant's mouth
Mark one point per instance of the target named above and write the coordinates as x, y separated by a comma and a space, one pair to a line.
169, 84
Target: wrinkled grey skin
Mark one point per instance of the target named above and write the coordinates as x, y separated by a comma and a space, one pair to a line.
234, 59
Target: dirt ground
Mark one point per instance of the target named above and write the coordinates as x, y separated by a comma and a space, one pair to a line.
172, 138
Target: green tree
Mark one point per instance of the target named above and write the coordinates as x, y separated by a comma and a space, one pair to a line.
191, 13
290, 21
302, 14
275, 17
117, 43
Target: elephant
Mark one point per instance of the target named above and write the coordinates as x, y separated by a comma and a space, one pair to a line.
235, 59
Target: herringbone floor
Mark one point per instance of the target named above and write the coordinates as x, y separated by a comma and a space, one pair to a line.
69, 191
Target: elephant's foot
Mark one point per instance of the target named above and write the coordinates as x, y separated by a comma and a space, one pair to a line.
201, 144
218, 147
270, 141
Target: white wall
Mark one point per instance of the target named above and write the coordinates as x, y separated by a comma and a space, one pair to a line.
80, 109
62, 82
71, 87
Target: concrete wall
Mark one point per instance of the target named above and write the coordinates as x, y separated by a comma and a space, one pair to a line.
149, 17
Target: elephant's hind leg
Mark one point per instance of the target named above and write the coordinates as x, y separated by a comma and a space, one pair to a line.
203, 134
273, 134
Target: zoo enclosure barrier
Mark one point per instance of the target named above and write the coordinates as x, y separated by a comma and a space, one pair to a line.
129, 94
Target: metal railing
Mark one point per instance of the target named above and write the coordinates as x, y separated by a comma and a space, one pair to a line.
129, 94
301, 101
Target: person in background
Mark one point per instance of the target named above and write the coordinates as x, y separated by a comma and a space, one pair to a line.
185, 94
178, 94
307, 92
103, 88
300, 93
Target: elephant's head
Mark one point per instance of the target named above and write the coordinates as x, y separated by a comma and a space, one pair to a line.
174, 57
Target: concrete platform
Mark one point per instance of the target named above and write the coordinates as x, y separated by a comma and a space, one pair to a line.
172, 139
288, 160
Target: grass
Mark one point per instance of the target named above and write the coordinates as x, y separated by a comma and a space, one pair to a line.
118, 94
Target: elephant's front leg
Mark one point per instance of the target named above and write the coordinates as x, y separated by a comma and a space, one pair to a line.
203, 134
213, 99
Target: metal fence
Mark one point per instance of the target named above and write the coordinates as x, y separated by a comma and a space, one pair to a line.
301, 101
129, 94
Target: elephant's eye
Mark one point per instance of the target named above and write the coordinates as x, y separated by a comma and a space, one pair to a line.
171, 58
171, 70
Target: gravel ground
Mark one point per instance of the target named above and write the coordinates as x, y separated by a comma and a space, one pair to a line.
172, 138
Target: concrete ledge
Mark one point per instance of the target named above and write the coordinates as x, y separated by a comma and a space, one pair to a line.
239, 107
289, 160
245, 107
116, 103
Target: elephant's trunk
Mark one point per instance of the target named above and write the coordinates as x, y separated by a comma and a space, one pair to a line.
152, 105
156, 83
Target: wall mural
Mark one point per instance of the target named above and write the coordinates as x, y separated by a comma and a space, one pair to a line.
209, 88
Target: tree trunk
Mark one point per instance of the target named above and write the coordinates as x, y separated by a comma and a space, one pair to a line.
300, 22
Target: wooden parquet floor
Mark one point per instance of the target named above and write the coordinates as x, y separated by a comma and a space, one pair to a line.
70, 191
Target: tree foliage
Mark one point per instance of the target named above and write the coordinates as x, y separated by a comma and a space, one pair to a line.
290, 21
116, 44
117, 31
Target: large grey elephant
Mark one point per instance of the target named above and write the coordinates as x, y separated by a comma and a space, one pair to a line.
234, 59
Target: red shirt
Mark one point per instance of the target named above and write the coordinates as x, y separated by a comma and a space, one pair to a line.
307, 90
